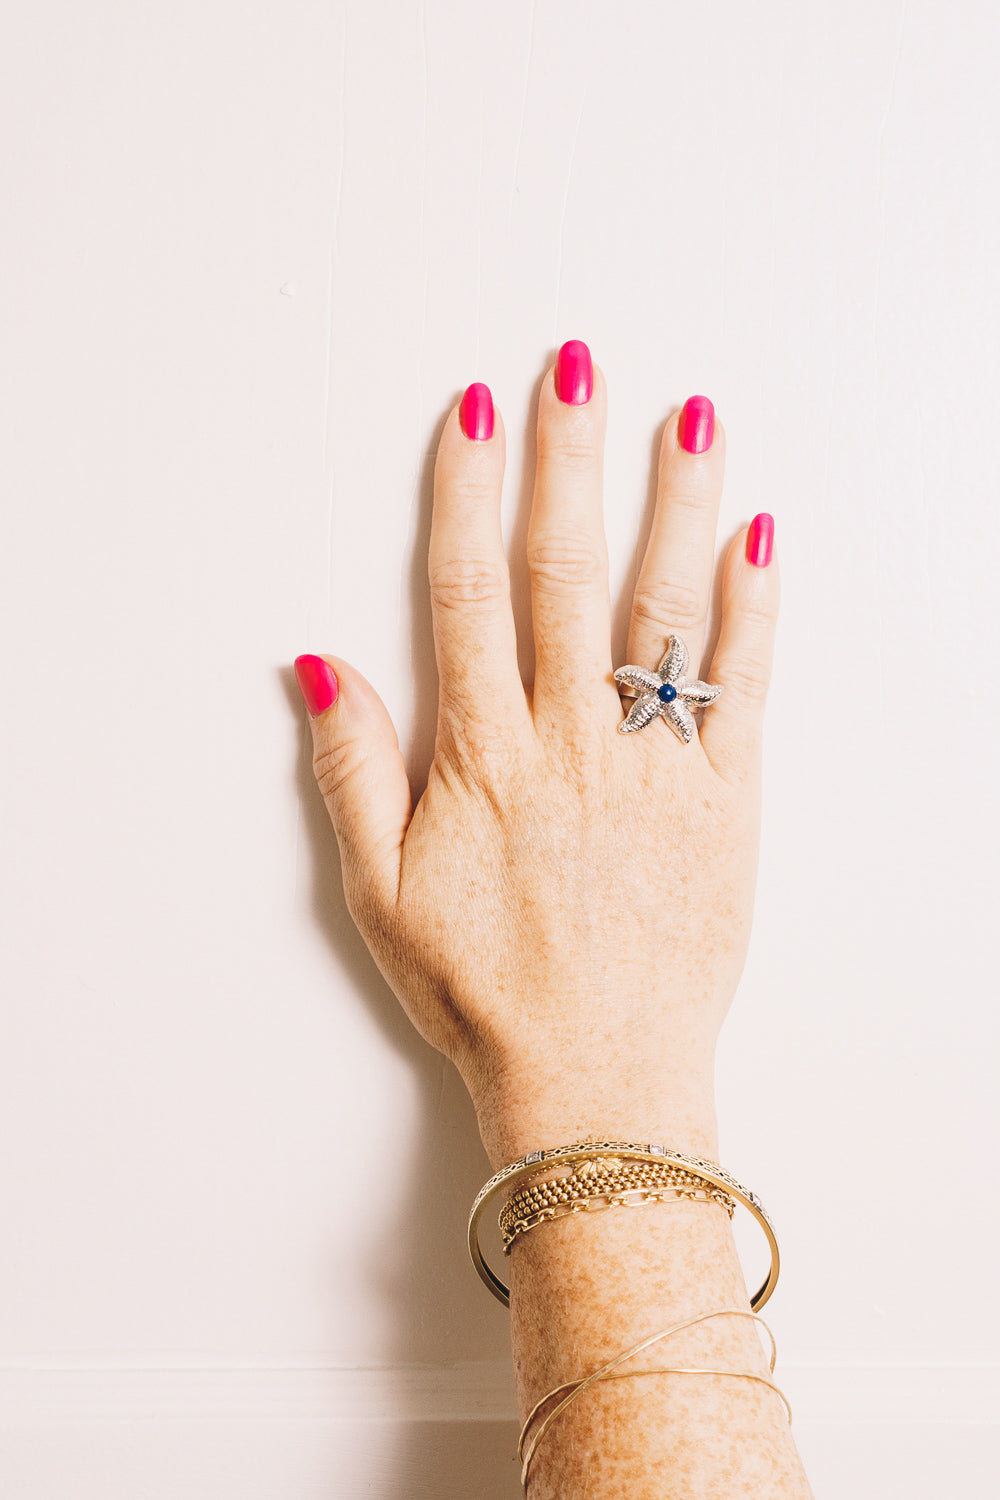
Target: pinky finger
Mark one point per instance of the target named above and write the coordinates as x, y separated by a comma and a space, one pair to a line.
731, 731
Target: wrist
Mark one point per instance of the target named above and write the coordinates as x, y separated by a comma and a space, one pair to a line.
682, 1117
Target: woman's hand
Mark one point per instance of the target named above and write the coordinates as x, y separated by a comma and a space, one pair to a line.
565, 913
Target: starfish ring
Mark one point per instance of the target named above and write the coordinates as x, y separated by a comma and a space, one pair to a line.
665, 693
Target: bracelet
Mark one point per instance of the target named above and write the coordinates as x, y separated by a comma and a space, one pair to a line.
602, 1182
634, 1199
528, 1167
610, 1371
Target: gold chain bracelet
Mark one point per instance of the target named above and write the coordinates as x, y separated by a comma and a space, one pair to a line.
539, 1164
641, 1198
603, 1182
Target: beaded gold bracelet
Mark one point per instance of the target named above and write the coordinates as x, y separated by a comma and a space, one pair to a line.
537, 1163
598, 1183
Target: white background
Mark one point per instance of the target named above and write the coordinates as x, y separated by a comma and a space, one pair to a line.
252, 255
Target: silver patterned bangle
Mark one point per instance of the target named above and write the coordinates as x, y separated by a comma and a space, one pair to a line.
529, 1166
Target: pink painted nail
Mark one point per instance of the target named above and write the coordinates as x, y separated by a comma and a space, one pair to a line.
760, 540
317, 682
574, 374
696, 424
476, 412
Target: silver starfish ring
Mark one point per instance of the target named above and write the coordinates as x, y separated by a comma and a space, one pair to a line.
665, 693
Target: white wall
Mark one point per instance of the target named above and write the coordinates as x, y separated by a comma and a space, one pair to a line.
253, 253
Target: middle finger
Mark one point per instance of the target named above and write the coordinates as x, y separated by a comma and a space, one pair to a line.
567, 551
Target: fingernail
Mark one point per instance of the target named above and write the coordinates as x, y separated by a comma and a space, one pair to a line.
476, 413
696, 424
317, 682
574, 373
760, 540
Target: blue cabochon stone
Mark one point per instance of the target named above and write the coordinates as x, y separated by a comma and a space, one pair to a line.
667, 693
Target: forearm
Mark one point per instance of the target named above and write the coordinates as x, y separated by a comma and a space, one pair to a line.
586, 1288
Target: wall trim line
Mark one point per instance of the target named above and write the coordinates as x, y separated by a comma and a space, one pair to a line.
63, 1391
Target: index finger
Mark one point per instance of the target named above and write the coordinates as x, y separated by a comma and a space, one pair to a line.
474, 636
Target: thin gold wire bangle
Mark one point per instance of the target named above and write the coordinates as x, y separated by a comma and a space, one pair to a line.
606, 1373
633, 1374
722, 1312
536, 1161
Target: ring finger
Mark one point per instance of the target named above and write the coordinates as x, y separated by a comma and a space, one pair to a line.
675, 581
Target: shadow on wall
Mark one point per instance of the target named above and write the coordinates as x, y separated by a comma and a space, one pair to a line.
450, 1461
436, 1310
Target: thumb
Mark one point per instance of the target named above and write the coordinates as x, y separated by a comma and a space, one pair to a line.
359, 770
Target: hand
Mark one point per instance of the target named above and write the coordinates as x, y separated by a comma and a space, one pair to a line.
565, 913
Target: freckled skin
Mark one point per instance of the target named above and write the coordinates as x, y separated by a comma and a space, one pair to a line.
565, 914
552, 858
591, 1289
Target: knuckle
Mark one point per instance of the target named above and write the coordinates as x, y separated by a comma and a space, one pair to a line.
667, 604
747, 678
370, 906
564, 565
478, 761
467, 731
471, 489
576, 452
466, 581
584, 762
759, 618
334, 765
690, 497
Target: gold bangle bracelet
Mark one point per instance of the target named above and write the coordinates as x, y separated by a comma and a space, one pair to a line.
610, 1371
602, 1181
508, 1178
